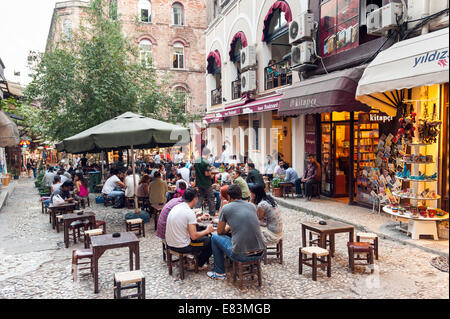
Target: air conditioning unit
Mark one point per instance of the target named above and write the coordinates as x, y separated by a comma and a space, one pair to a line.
391, 16
302, 53
301, 27
248, 57
374, 23
365, 10
248, 81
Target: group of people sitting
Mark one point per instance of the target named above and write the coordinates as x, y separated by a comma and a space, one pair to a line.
303, 185
243, 231
65, 187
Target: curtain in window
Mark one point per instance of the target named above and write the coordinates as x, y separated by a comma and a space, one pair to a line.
177, 14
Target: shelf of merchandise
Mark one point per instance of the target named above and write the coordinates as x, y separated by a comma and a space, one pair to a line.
416, 198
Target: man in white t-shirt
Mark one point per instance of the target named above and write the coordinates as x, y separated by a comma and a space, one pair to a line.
113, 188
129, 183
185, 172
225, 158
181, 229
178, 157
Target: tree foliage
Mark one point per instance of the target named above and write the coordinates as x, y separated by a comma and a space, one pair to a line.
95, 76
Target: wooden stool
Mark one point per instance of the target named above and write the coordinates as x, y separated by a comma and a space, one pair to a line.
78, 255
135, 224
75, 227
144, 203
357, 248
278, 252
228, 264
129, 280
156, 211
44, 208
89, 233
83, 201
129, 202
316, 253
369, 236
287, 189
101, 223
182, 261
107, 201
247, 269
164, 249
59, 221
329, 243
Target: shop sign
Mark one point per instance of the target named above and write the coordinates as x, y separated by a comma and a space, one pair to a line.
297, 103
379, 118
231, 112
440, 56
262, 108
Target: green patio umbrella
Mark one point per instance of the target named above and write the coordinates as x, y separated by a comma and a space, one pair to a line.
127, 130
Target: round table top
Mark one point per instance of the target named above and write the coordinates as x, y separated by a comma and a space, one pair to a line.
388, 210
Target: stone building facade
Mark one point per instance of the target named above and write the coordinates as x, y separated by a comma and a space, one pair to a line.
169, 32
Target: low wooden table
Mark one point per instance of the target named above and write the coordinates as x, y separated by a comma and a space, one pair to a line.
101, 243
69, 218
330, 229
59, 209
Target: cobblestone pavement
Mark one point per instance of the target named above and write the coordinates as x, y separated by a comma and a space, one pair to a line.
35, 264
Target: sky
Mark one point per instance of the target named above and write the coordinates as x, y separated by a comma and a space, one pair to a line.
24, 25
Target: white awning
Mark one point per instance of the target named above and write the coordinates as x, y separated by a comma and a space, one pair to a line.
415, 62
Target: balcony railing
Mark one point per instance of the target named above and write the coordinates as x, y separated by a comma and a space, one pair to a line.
216, 96
236, 89
277, 74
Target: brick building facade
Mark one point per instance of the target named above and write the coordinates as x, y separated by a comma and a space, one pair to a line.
170, 32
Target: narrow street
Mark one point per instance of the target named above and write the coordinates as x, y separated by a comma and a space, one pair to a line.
35, 264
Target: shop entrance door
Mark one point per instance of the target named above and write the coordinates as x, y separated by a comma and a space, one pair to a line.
335, 158
341, 149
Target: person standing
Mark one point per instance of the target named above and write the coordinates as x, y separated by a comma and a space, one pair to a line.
204, 183
246, 242
270, 168
225, 158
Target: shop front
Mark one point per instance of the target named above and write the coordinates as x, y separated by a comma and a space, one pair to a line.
341, 132
410, 81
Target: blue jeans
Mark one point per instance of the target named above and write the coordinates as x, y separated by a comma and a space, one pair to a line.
221, 244
218, 200
47, 202
117, 196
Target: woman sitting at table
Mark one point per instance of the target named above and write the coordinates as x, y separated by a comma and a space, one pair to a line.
181, 188
157, 190
269, 215
142, 190
81, 186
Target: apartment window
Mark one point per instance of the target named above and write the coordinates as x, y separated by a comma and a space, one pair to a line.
178, 56
177, 14
113, 9
145, 11
67, 30
145, 53
339, 26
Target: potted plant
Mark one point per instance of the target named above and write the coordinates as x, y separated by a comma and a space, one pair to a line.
276, 187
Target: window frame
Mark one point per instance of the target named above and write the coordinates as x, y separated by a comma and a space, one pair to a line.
178, 5
67, 33
145, 5
183, 60
141, 52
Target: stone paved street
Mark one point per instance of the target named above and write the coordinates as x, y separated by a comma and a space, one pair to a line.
35, 264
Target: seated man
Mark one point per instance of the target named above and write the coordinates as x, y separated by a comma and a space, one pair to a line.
311, 176
113, 188
129, 182
158, 189
162, 220
238, 180
291, 174
254, 177
241, 219
48, 178
181, 229
62, 195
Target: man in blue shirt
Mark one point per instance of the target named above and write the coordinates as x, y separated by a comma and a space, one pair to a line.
291, 174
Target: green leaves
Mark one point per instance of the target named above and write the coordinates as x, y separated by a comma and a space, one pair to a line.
96, 77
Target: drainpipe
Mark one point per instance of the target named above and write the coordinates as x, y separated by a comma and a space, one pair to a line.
426, 13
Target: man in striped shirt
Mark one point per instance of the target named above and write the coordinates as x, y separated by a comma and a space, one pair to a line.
161, 228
